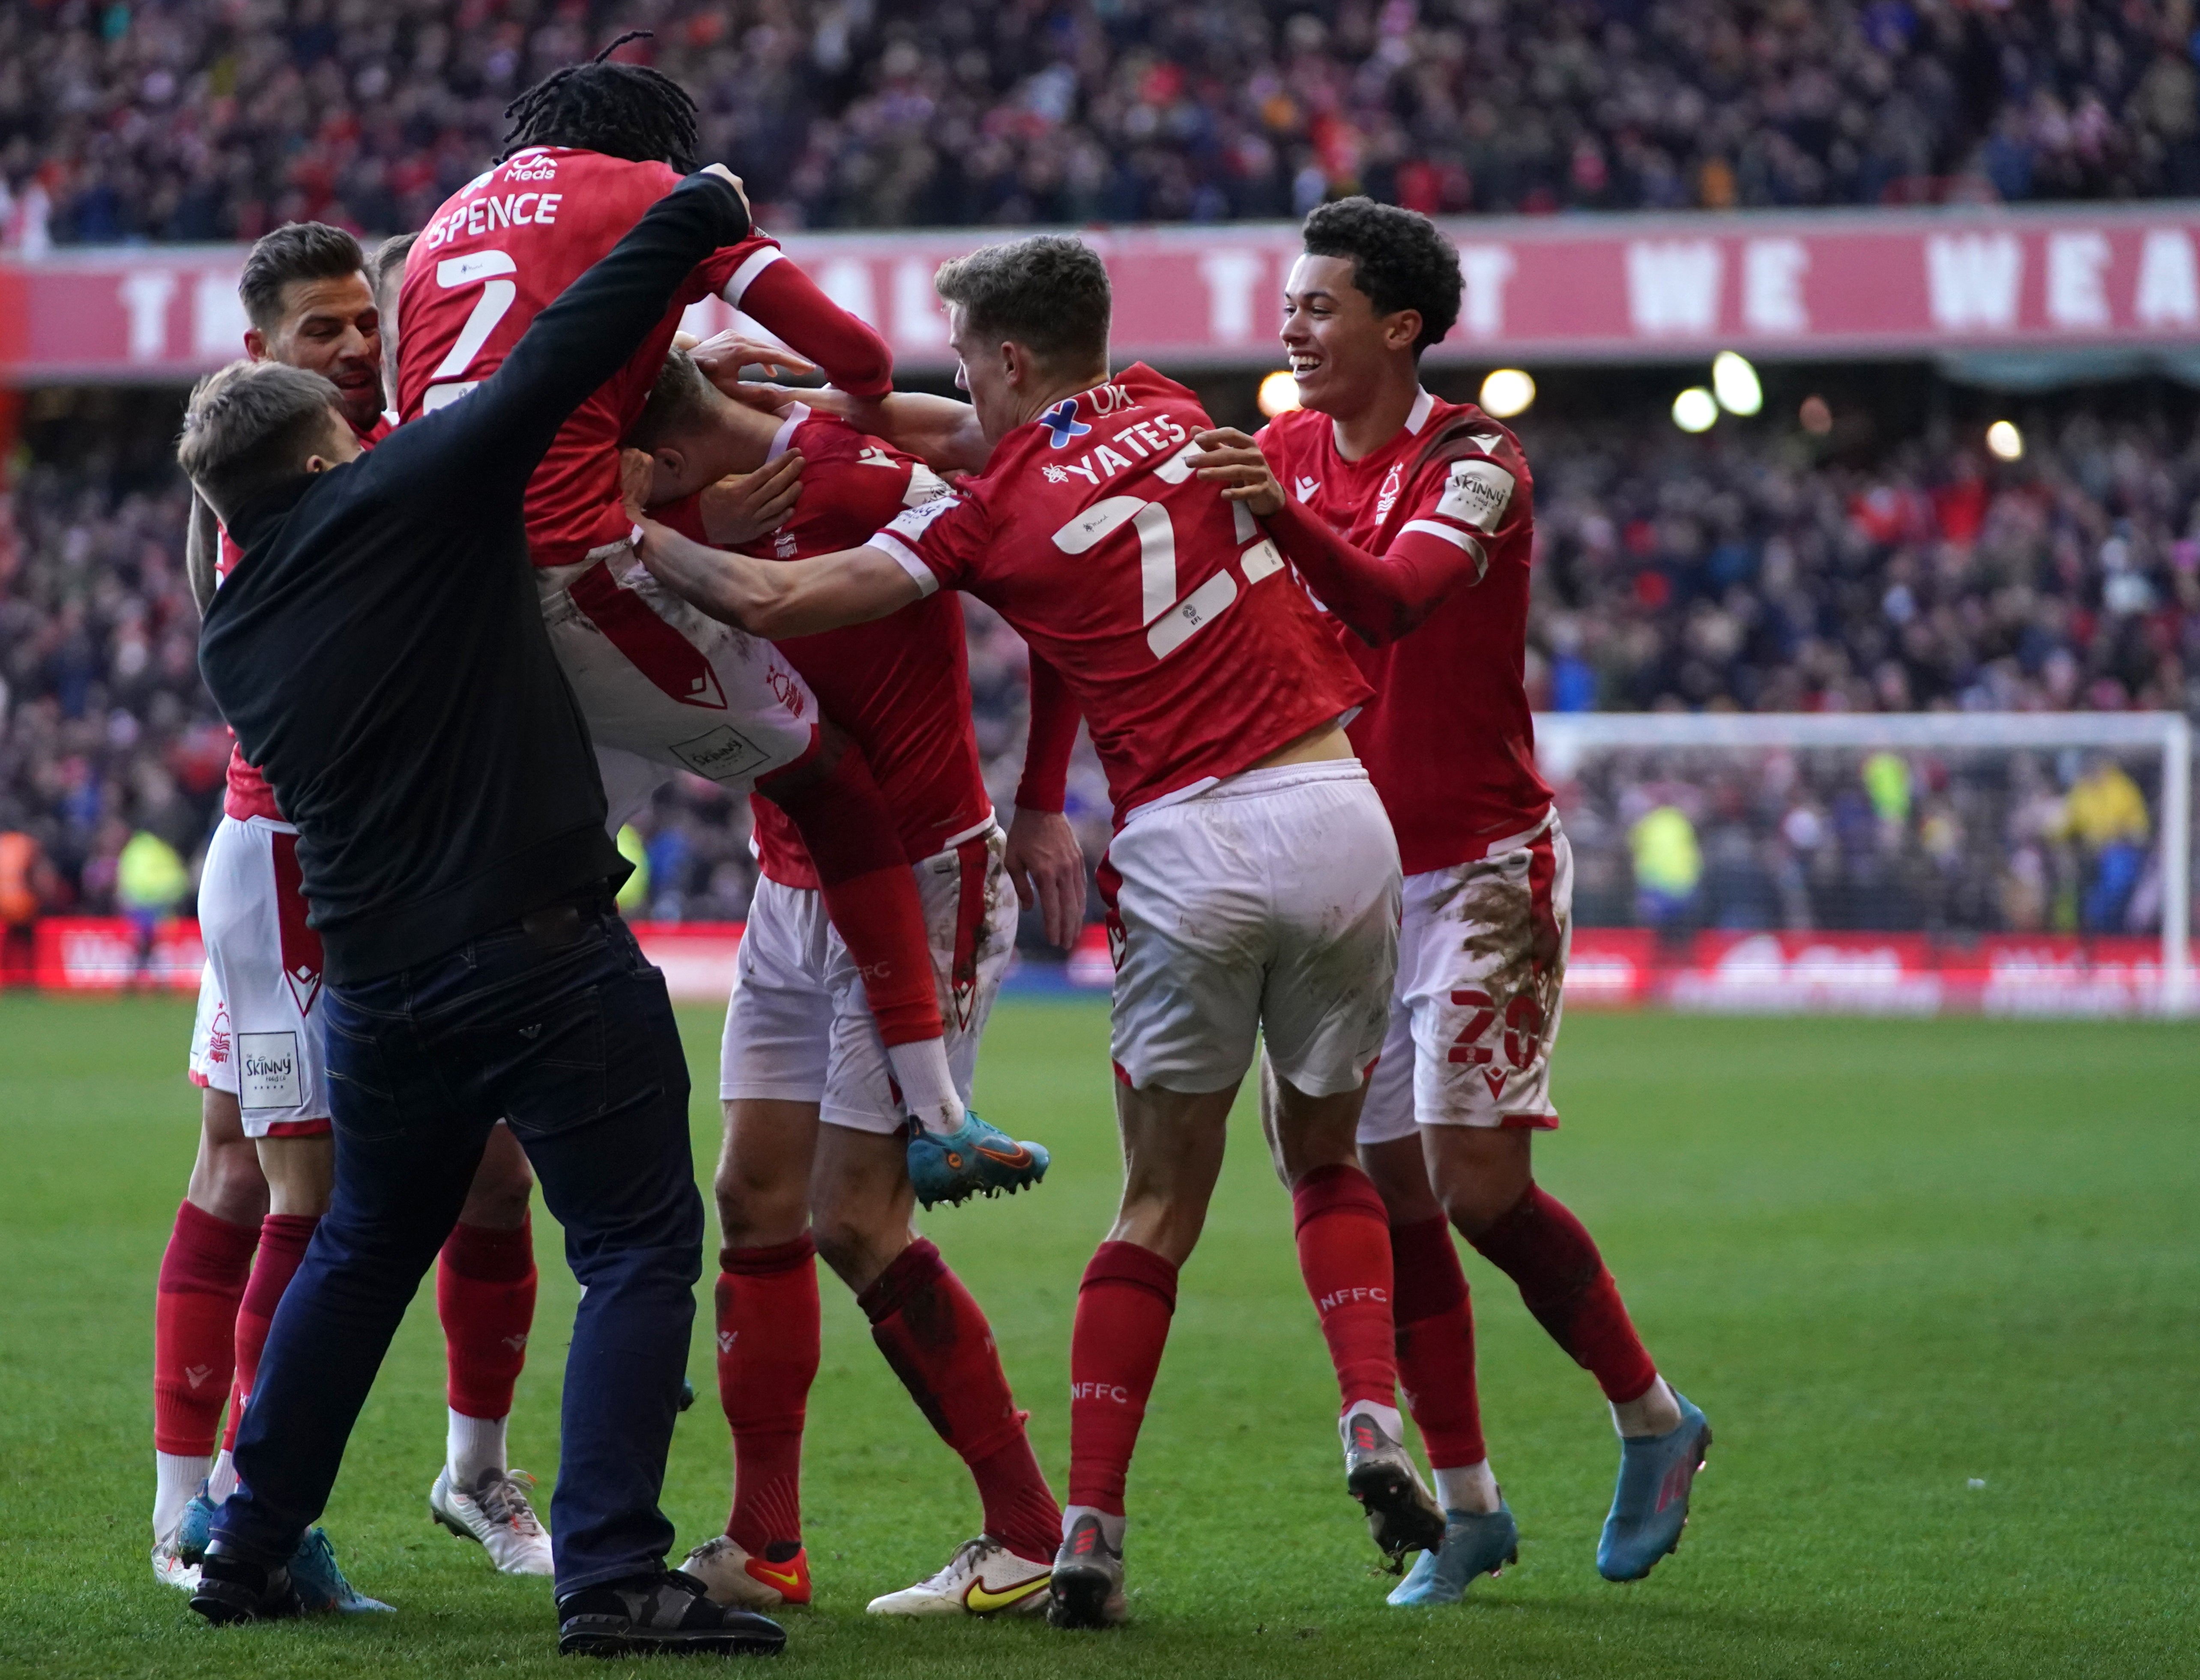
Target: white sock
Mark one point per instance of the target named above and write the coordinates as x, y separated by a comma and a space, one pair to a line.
175, 1477
1111, 1527
1653, 1412
927, 1089
221, 1480
475, 1444
1469, 1487
1387, 1416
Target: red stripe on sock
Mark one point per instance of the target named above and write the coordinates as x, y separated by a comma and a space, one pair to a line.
1562, 1280
1124, 1306
202, 1279
935, 1337
1344, 1256
1435, 1343
282, 1240
767, 1351
485, 1289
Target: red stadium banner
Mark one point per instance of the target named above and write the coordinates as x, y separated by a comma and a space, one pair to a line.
1577, 288
1726, 973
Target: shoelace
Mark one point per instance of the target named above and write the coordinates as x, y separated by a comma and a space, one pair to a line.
503, 1499
972, 1554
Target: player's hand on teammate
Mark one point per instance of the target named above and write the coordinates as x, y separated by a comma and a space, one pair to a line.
733, 180
743, 506
1047, 865
722, 357
637, 476
1234, 462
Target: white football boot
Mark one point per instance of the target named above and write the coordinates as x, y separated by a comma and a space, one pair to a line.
497, 1514
983, 1579
170, 1571
733, 1576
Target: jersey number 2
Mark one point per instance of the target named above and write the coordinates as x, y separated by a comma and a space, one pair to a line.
1170, 622
496, 297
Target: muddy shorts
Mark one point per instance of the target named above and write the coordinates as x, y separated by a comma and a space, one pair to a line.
1481, 961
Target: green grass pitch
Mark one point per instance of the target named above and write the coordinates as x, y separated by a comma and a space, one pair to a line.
1933, 1282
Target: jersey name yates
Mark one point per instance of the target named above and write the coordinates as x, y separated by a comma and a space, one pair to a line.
1142, 438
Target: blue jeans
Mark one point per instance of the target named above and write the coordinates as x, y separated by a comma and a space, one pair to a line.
559, 1024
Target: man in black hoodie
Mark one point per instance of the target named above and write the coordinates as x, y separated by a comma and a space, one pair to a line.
381, 655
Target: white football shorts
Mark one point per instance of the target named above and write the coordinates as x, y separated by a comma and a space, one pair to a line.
1265, 904
666, 689
1482, 971
258, 1035
799, 1026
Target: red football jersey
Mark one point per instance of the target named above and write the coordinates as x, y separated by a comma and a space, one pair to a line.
899, 685
247, 792
1447, 740
496, 255
1187, 647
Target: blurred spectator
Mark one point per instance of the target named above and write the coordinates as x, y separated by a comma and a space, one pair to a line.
2106, 814
1668, 867
217, 119
150, 882
27, 885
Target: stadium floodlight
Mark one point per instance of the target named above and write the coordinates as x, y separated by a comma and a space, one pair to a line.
1507, 391
1734, 383
1279, 395
1812, 755
1696, 409
2004, 441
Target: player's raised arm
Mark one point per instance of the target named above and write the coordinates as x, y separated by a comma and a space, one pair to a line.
498, 434
1382, 596
775, 599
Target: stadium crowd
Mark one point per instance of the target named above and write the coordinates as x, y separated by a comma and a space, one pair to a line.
201, 120
1674, 573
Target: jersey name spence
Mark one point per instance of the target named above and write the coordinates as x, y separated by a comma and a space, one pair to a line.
495, 257
1169, 615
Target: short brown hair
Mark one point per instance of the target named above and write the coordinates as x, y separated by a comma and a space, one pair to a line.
679, 400
251, 426
294, 251
1049, 293
388, 255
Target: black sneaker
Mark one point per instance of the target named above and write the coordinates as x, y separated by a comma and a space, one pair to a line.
653, 1614
232, 1589
1087, 1589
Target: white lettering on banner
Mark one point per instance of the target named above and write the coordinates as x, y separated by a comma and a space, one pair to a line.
918, 323
1673, 285
847, 282
145, 293
1972, 280
2168, 288
1483, 272
218, 317
1232, 277
2074, 295
1772, 272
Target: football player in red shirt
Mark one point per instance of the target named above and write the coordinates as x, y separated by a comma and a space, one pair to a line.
1413, 521
665, 688
266, 1152
1252, 880
800, 1048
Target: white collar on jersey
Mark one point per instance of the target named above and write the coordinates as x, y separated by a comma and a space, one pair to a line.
783, 439
1417, 415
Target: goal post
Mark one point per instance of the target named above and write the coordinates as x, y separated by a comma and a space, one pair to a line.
2018, 879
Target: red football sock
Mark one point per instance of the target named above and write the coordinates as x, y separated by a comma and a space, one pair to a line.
869, 894
1124, 1306
1344, 1256
767, 1359
1547, 1251
1435, 1343
195, 1328
282, 1239
937, 1340
485, 1298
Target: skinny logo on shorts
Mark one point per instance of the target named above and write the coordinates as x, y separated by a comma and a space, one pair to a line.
267, 1075
723, 754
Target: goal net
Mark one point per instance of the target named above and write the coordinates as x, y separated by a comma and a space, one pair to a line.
2008, 863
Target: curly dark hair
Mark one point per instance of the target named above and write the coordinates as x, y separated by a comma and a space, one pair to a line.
621, 110
1400, 259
